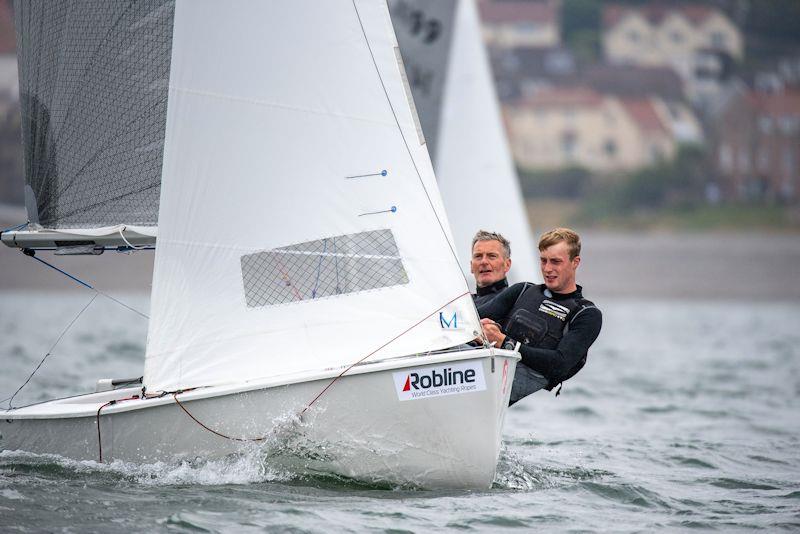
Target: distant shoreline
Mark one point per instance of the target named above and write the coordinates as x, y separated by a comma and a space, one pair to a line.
717, 266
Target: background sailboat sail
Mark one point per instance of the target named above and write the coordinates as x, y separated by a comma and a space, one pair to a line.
300, 224
424, 32
93, 95
473, 164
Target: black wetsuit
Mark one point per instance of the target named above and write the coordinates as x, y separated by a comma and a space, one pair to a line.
483, 295
574, 323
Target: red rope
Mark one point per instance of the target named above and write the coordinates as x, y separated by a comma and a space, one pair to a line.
407, 330
220, 434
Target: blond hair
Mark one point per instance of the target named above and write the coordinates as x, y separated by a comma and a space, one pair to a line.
557, 235
483, 235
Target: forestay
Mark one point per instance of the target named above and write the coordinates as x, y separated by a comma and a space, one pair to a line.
283, 246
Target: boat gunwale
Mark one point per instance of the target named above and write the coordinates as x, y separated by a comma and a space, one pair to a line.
43, 410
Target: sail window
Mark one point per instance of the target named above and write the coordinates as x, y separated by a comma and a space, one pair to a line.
323, 268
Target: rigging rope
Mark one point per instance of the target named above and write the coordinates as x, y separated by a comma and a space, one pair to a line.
13, 228
97, 422
32, 254
134, 247
11, 399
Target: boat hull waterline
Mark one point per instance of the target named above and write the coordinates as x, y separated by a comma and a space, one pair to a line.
431, 422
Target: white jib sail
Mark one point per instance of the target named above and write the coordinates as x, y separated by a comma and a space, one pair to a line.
473, 164
283, 246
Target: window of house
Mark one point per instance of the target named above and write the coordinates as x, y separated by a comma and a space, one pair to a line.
788, 124
744, 161
656, 154
763, 160
765, 125
569, 143
718, 39
789, 162
527, 27
726, 158
676, 37
610, 148
633, 36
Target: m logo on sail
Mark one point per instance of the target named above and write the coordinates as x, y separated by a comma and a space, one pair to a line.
451, 323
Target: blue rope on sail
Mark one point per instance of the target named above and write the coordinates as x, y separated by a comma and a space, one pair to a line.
384, 172
393, 209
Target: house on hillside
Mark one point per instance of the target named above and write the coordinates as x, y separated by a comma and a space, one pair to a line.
523, 71
578, 126
658, 84
757, 146
511, 23
698, 41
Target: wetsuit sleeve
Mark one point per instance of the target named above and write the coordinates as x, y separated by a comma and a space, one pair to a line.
573, 347
499, 307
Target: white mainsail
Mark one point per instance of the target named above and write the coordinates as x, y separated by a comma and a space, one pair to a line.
474, 168
283, 246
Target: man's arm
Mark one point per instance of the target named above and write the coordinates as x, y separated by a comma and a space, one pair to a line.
497, 308
555, 363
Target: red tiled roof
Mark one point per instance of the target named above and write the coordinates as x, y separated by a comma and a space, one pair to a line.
643, 113
564, 97
775, 104
541, 11
656, 13
8, 40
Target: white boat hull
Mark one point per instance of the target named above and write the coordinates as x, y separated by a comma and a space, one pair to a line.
359, 427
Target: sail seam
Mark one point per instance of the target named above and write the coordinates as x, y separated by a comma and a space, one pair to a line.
265, 103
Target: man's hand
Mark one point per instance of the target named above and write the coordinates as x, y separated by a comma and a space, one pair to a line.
492, 332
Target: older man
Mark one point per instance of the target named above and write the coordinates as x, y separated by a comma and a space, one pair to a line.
490, 262
551, 323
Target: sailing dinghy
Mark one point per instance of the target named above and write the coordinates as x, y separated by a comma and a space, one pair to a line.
305, 280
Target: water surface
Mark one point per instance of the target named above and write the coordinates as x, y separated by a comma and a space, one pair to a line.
686, 417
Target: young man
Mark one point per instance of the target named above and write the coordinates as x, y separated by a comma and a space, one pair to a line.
490, 262
553, 323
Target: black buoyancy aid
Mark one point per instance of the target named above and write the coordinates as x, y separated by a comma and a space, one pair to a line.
539, 320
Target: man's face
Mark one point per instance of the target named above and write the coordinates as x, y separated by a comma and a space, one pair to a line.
488, 264
558, 271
